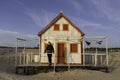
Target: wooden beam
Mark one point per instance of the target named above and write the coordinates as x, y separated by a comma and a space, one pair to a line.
20, 39
97, 37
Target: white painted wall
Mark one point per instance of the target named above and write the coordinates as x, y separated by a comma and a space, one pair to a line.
61, 36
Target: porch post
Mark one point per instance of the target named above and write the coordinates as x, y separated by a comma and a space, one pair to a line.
39, 51
68, 54
16, 51
54, 55
83, 51
96, 54
107, 52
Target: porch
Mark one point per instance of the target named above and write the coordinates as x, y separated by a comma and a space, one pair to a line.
26, 64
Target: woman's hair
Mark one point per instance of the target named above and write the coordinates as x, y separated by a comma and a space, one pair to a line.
49, 42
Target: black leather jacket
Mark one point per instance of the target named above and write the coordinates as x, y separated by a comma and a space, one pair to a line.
49, 49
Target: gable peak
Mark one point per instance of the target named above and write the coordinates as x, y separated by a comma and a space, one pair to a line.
61, 12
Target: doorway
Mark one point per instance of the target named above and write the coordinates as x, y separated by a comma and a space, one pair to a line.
61, 53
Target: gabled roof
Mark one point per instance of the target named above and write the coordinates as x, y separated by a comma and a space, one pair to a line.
55, 20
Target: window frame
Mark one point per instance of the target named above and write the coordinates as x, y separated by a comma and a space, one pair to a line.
73, 48
56, 25
64, 27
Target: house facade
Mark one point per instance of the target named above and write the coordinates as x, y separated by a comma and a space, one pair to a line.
66, 39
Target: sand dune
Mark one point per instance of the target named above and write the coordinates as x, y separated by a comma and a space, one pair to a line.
7, 71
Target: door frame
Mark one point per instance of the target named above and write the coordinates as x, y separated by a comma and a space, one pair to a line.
64, 52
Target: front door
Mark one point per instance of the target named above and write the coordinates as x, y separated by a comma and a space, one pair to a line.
61, 53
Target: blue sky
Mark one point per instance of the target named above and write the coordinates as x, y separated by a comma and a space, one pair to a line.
25, 18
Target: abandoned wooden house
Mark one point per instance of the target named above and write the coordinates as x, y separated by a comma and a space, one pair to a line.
69, 48
65, 38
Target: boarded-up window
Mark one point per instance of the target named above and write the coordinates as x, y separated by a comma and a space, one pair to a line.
65, 27
73, 48
56, 27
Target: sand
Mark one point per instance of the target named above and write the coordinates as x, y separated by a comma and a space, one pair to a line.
7, 71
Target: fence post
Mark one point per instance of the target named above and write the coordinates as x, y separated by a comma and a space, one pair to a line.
16, 52
96, 55
83, 51
68, 54
54, 65
54, 57
107, 51
39, 51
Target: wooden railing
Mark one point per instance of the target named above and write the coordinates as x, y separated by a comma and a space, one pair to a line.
93, 59
90, 59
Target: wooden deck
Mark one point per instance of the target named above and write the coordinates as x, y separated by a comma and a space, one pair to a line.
37, 68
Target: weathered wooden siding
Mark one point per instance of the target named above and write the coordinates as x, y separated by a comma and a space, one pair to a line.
67, 37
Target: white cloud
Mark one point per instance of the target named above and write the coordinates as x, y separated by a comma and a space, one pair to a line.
103, 10
7, 32
85, 23
35, 18
106, 9
76, 5
42, 18
22, 5
8, 38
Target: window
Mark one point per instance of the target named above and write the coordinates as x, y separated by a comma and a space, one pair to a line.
65, 27
73, 48
56, 27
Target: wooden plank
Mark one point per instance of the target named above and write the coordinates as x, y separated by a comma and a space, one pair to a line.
27, 70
